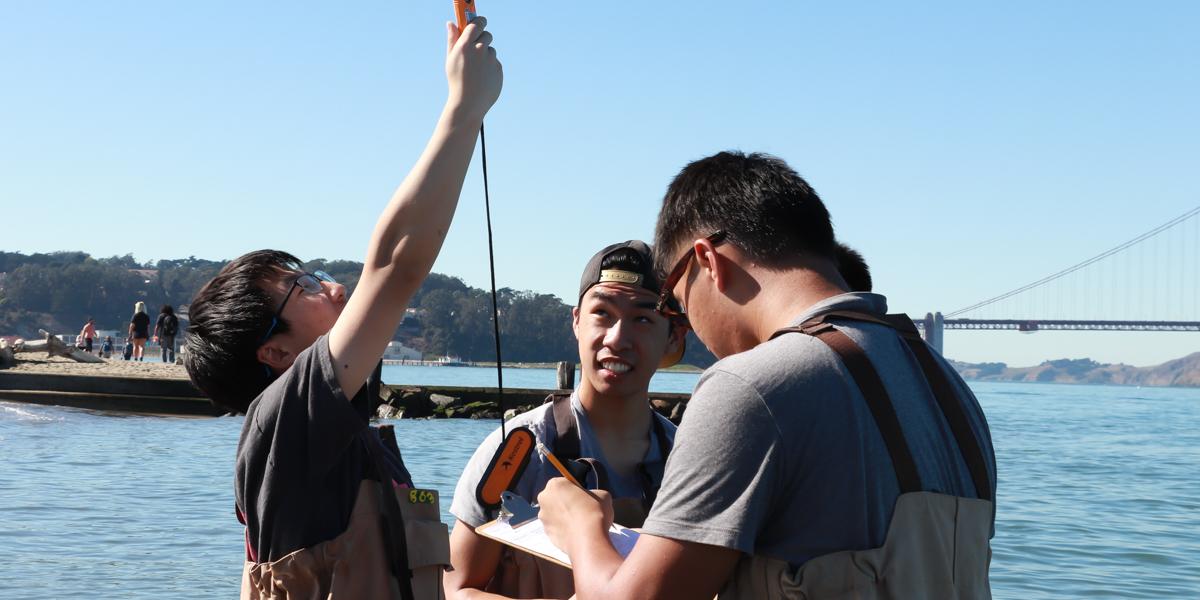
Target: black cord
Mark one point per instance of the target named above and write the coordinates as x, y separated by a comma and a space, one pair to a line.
487, 205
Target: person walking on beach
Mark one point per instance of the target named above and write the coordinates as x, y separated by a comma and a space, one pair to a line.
829, 453
328, 505
88, 334
607, 422
165, 329
106, 349
139, 329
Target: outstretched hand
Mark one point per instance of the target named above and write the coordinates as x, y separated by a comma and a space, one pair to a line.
474, 73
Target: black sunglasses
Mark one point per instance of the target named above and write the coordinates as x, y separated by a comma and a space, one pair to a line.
308, 282
665, 296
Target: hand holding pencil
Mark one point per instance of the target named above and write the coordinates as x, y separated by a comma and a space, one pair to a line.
572, 515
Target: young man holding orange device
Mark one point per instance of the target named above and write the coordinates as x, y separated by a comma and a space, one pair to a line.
323, 495
606, 423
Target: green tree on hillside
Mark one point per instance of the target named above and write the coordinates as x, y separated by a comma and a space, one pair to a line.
58, 291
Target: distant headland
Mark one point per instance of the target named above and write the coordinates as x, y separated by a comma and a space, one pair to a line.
1183, 372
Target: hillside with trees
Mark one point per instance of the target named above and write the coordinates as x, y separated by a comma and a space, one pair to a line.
1178, 372
59, 291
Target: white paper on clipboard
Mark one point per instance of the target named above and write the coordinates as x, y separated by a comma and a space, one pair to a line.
531, 537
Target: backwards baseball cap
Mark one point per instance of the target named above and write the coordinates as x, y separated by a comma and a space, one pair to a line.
634, 268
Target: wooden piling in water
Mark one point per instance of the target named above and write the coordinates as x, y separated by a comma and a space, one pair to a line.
566, 376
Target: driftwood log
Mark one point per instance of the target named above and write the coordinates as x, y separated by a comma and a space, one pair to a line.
53, 346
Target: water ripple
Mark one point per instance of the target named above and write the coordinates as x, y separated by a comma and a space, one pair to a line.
1097, 494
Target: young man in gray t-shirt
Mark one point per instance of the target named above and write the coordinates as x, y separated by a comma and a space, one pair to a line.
779, 457
300, 357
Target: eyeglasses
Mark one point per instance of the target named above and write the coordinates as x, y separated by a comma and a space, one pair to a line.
307, 282
681, 267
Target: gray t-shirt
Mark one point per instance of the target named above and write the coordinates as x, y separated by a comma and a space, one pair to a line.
540, 421
778, 454
303, 453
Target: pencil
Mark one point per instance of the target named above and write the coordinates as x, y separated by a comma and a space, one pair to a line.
562, 469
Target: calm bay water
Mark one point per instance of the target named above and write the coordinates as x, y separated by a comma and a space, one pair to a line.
1097, 496
537, 379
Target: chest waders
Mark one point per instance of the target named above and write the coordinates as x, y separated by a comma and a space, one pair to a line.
937, 544
522, 575
395, 547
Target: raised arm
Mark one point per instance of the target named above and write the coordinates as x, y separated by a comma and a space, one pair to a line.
410, 232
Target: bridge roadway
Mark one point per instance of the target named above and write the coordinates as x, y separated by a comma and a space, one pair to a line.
1031, 325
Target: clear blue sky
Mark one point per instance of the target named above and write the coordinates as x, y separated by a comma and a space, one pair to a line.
964, 150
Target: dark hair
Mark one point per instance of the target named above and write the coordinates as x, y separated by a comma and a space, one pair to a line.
764, 207
227, 320
625, 259
166, 310
853, 268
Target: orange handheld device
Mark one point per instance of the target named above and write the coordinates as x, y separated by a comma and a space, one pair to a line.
464, 11
506, 467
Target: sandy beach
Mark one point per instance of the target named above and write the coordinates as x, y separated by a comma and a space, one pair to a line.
29, 362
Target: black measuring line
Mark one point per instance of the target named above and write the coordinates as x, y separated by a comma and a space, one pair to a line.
487, 207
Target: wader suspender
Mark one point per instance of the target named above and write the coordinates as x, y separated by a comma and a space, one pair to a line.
566, 448
882, 410
395, 543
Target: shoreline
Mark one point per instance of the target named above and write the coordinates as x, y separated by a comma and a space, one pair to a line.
155, 369
30, 362
138, 387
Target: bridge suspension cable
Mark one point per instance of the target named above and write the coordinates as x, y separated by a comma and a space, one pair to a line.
1045, 280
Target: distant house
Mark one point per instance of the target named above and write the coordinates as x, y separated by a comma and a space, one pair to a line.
411, 325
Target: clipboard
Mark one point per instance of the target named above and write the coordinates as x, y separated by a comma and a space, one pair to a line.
530, 536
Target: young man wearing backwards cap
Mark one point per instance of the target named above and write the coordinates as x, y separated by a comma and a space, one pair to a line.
607, 423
